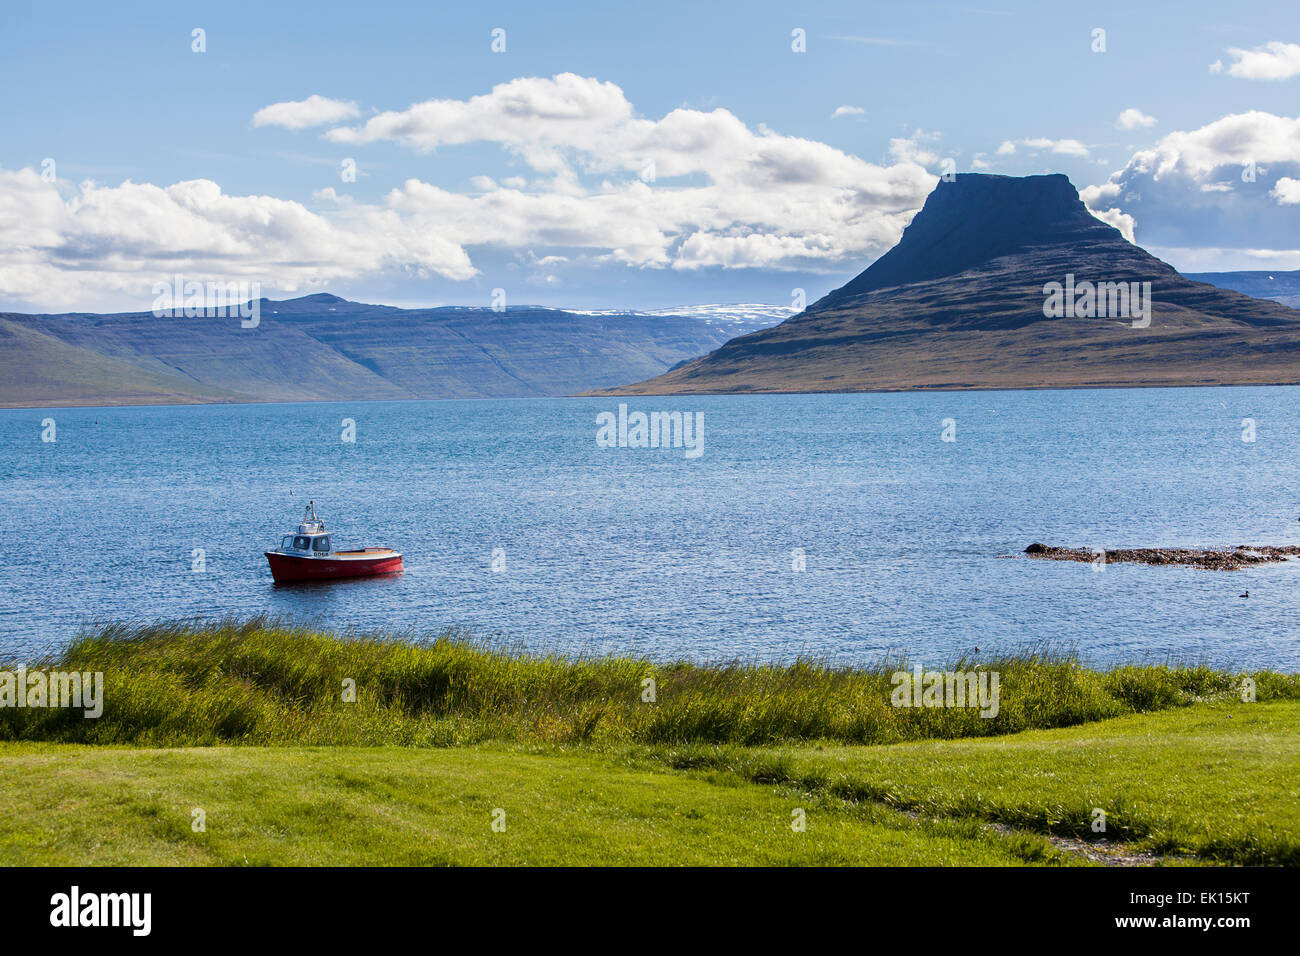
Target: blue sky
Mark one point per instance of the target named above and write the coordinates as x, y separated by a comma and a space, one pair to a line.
637, 156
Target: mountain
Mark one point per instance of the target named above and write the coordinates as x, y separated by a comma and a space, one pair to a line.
322, 347
961, 302
1281, 287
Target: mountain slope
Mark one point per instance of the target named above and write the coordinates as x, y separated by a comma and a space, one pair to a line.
322, 347
40, 369
959, 303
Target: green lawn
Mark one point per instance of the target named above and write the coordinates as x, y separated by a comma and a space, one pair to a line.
1221, 780
76, 805
1218, 780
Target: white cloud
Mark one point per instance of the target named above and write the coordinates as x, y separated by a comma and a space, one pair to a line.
1219, 259
757, 183
1286, 191
1062, 147
300, 114
1239, 138
1133, 118
847, 111
57, 251
754, 198
917, 148
1100, 201
1228, 183
567, 126
1272, 61
1122, 221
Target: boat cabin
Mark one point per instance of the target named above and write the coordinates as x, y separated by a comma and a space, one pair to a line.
319, 543
311, 537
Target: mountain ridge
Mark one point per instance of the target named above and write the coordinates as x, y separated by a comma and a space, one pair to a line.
323, 347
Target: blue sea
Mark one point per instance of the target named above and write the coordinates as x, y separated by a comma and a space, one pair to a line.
837, 526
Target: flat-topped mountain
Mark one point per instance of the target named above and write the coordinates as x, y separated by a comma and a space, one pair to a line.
1005, 282
321, 347
976, 219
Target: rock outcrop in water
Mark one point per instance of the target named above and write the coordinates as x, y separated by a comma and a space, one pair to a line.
959, 303
1232, 559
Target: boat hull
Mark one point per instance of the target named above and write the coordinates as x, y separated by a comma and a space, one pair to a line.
362, 564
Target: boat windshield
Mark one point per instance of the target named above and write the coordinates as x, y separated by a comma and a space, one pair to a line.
302, 543
286, 543
321, 543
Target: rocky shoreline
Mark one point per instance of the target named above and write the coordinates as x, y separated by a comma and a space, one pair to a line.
1213, 559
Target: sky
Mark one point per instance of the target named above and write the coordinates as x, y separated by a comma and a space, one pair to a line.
594, 155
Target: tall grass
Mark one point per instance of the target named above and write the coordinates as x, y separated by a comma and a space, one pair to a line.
260, 681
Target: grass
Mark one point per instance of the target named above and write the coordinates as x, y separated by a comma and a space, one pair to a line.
1220, 781
247, 719
260, 682
74, 805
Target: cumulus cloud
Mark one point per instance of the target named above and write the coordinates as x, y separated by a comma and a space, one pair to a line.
918, 148
818, 203
1287, 191
1219, 259
1229, 183
1062, 147
1272, 61
1133, 118
1100, 202
1240, 138
751, 198
300, 114
60, 251
847, 111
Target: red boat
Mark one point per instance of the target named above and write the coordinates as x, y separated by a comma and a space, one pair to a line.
306, 556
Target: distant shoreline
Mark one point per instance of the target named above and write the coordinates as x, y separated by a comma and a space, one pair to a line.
620, 392
625, 391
